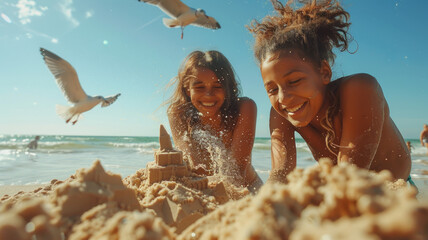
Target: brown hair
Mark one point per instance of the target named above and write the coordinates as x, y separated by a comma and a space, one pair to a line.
313, 30
180, 104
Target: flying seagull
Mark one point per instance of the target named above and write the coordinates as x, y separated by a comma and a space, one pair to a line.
68, 82
182, 15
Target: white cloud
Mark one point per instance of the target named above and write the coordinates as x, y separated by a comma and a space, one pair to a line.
6, 18
28, 9
54, 40
67, 10
89, 14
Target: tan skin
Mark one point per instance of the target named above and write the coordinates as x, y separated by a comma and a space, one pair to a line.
207, 95
409, 146
424, 135
364, 131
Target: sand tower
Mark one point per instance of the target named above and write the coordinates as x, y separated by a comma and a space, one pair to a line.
169, 165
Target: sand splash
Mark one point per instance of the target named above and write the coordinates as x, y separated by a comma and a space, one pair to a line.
321, 202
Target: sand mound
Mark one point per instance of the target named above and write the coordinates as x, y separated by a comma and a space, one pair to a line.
321, 202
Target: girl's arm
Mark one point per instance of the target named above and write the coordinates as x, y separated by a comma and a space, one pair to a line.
363, 109
283, 147
243, 140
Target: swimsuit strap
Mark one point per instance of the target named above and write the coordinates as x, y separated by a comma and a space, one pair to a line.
409, 179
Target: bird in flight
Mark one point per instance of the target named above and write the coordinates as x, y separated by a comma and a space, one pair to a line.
183, 15
68, 82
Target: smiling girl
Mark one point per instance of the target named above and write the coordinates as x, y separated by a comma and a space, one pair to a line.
207, 115
346, 120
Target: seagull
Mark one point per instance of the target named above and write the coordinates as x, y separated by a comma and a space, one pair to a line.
68, 82
182, 15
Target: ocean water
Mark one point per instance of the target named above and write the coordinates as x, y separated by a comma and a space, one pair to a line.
58, 157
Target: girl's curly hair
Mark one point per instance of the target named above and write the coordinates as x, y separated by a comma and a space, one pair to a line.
313, 29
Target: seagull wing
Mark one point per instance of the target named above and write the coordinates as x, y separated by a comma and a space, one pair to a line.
173, 8
109, 100
65, 75
206, 22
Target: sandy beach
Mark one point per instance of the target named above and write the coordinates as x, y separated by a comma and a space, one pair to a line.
318, 201
245, 88
14, 189
166, 200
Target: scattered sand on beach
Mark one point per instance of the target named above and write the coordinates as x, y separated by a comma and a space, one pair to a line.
320, 202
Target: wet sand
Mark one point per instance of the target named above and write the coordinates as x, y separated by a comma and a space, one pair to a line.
13, 189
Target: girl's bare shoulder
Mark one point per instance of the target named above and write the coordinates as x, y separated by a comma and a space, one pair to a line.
359, 81
356, 85
246, 104
246, 100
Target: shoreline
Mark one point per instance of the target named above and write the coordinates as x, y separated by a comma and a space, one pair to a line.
422, 185
14, 189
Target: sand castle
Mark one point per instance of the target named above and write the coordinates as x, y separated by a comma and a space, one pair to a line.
169, 165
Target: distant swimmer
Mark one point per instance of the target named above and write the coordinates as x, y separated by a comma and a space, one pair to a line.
424, 137
409, 146
33, 144
68, 82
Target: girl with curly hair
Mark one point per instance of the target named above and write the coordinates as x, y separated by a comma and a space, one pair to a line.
346, 120
210, 122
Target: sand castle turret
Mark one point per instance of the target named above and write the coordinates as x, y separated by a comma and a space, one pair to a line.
169, 164
166, 155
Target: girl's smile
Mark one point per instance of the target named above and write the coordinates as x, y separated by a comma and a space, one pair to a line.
296, 88
295, 110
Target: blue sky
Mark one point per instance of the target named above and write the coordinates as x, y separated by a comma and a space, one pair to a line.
123, 47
